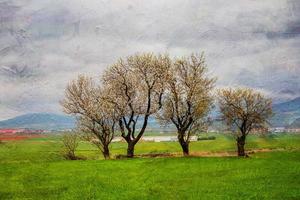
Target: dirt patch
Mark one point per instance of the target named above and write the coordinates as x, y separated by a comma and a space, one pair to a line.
213, 154
151, 155
198, 154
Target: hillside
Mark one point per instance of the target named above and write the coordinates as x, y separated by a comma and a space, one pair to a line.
49, 121
286, 113
289, 106
45, 121
295, 124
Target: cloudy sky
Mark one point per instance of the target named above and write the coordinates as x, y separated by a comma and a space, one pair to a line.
45, 44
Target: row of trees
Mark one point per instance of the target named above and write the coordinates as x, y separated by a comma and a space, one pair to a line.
176, 91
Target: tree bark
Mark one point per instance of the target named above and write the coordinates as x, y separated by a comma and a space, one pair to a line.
184, 144
240, 141
71, 156
106, 152
185, 148
130, 150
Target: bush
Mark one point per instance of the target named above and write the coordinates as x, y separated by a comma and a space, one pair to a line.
206, 138
70, 144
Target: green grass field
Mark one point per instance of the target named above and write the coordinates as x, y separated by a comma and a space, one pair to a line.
35, 169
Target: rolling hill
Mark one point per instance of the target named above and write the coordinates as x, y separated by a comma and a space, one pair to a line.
295, 124
45, 121
286, 113
49, 121
289, 106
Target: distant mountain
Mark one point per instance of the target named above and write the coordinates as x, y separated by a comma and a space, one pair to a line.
286, 113
45, 121
49, 121
289, 106
295, 124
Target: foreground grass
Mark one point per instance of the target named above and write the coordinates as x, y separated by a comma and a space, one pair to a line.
34, 169
265, 176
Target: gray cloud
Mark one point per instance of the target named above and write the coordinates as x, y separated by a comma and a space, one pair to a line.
44, 44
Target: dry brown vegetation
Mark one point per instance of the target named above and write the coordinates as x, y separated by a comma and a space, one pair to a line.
243, 110
135, 87
188, 97
177, 91
70, 142
96, 117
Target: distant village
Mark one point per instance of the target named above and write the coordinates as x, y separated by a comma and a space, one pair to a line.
20, 130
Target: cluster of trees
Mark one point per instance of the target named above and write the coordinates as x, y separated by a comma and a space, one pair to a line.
176, 91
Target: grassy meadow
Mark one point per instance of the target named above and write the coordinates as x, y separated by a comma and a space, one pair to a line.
35, 169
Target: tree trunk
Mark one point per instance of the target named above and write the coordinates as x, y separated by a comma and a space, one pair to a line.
185, 148
106, 152
71, 155
130, 150
184, 144
241, 146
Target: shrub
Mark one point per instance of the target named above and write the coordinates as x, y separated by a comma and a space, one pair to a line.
70, 144
206, 138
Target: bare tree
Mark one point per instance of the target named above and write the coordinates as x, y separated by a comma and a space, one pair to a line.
96, 117
243, 110
188, 98
135, 86
70, 142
